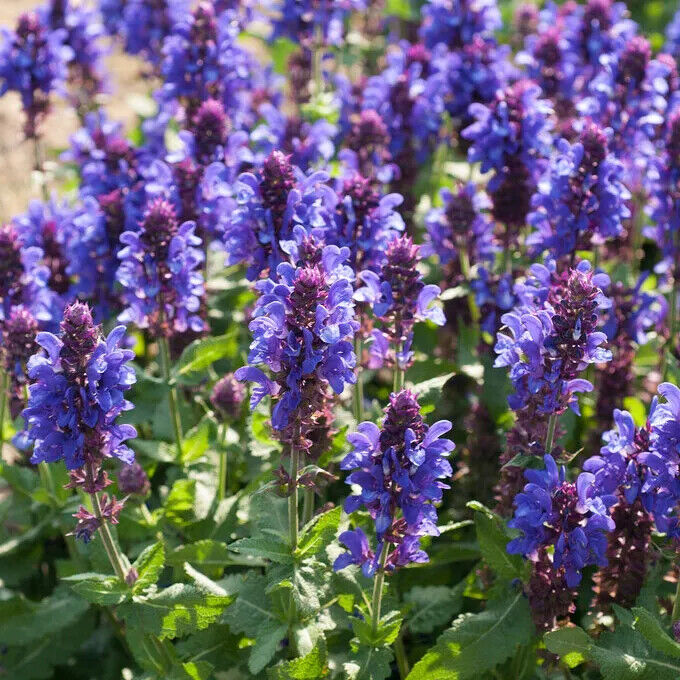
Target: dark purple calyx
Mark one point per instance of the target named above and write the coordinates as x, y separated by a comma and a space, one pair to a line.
402, 413
80, 337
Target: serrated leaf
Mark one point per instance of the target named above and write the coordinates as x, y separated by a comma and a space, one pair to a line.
149, 565
309, 667
268, 638
23, 621
251, 608
493, 541
269, 545
524, 461
100, 589
654, 634
174, 611
200, 670
319, 533
369, 663
386, 633
201, 553
307, 582
179, 505
433, 606
203, 352
477, 643
571, 643
197, 440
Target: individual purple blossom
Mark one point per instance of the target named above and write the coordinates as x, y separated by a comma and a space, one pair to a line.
160, 272
551, 342
457, 22
581, 200
552, 511
303, 327
461, 227
398, 297
77, 393
399, 468
33, 63
494, 297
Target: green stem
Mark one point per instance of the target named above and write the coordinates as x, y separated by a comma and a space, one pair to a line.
402, 659
465, 271
222, 486
675, 616
293, 499
164, 357
39, 167
4, 389
307, 506
316, 62
550, 437
359, 384
118, 561
672, 315
376, 600
399, 373
48, 482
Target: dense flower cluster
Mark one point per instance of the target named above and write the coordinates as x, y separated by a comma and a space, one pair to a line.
552, 511
399, 468
160, 273
552, 342
33, 62
581, 199
302, 329
643, 462
399, 297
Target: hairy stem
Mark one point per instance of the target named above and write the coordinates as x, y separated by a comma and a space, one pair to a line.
376, 600
550, 437
164, 358
400, 654
359, 385
293, 499
222, 484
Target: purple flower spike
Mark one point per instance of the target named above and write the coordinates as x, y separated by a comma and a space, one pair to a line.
399, 469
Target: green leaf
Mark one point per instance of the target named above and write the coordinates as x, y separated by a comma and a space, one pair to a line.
571, 643
433, 606
252, 607
522, 460
493, 541
267, 642
200, 670
654, 634
309, 667
319, 533
207, 553
179, 505
399, 8
203, 352
307, 582
100, 588
269, 544
477, 643
429, 391
149, 565
23, 621
388, 629
369, 663
175, 611
197, 440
